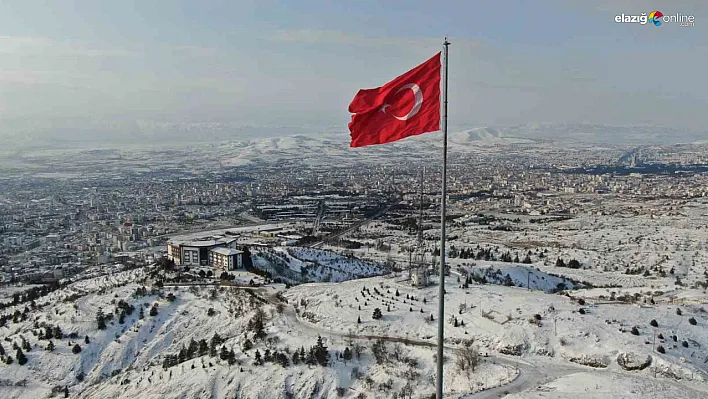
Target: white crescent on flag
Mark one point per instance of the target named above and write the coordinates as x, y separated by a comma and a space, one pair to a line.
418, 101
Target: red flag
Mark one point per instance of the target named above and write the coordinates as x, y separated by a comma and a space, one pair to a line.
406, 106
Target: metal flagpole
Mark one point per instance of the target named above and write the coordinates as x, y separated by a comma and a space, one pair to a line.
443, 200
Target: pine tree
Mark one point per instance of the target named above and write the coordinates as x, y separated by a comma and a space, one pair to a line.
49, 333
58, 334
358, 320
100, 320
247, 344
121, 317
203, 347
66, 391
347, 355
296, 357
141, 314
87, 340
50, 346
76, 349
192, 349
377, 314
232, 357
321, 353
224, 353
153, 310
25, 344
2, 350
21, 358
257, 358
182, 355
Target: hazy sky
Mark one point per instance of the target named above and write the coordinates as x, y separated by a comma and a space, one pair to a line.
302, 61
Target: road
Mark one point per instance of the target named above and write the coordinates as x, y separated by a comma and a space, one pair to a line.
354, 226
529, 377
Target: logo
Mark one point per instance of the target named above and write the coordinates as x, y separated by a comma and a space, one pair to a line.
655, 17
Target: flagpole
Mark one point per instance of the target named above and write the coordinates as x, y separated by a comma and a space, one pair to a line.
443, 200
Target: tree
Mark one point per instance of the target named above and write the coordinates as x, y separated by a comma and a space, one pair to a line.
377, 314
121, 317
87, 340
58, 334
358, 320
9, 360
653, 323
247, 345
50, 346
100, 319
397, 294
635, 331
257, 358
76, 349
2, 350
153, 310
224, 354
380, 351
560, 263
21, 358
692, 321
678, 311
467, 357
141, 314
171, 297
211, 312
321, 353
347, 355
660, 349
202, 274
66, 391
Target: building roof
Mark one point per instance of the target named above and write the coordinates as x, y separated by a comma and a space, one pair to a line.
226, 251
203, 243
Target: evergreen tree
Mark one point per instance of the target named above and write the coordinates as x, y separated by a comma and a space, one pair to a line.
87, 340
153, 310
203, 347
347, 355
358, 320
224, 354
21, 358
141, 314
267, 356
397, 294
377, 314
2, 350
257, 358
25, 344
182, 355
9, 360
247, 344
232, 357
321, 354
50, 346
121, 317
296, 357
58, 334
76, 349
100, 320
192, 349
49, 333
66, 391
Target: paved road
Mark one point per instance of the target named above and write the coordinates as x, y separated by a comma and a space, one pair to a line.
530, 375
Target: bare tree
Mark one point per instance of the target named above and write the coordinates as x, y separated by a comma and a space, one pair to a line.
467, 357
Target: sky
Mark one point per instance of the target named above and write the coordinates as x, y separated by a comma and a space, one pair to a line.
300, 62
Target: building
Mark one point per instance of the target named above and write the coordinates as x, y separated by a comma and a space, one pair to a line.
226, 259
197, 252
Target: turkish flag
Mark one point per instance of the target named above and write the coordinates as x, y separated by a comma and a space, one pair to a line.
406, 106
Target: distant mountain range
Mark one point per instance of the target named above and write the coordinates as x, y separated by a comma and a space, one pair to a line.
73, 132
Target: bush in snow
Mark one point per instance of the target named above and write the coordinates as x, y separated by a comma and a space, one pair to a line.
660, 349
653, 323
692, 321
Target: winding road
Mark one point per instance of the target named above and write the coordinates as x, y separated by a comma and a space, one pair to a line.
529, 375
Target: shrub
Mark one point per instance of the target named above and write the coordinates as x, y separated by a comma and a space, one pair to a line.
692, 321
653, 323
635, 331
660, 349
